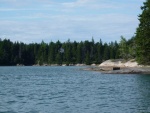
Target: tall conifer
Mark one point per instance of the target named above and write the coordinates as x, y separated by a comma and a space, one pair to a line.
143, 35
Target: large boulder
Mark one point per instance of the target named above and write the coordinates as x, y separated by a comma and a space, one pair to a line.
112, 63
131, 63
119, 63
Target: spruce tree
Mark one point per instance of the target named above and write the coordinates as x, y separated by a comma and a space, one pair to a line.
87, 59
106, 53
123, 48
51, 54
143, 35
68, 52
99, 52
79, 53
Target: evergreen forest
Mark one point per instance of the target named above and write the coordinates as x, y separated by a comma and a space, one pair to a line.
87, 52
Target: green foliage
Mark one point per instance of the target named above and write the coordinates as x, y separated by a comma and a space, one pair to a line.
132, 47
79, 53
59, 59
99, 52
87, 52
123, 47
127, 48
87, 59
143, 35
51, 53
68, 52
106, 54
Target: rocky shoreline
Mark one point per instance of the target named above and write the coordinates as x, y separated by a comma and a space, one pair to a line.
121, 67
123, 70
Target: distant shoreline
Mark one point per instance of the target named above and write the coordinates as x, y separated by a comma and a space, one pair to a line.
120, 66
123, 70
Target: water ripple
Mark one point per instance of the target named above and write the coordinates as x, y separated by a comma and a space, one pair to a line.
71, 90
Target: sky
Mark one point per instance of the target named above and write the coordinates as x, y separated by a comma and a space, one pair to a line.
31, 21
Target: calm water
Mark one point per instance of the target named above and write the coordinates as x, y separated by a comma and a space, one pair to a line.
71, 90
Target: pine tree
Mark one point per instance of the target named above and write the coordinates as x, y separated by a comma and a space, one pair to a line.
123, 48
51, 54
132, 47
116, 50
68, 52
99, 52
112, 50
106, 54
58, 59
43, 53
87, 59
79, 53
143, 35
74, 52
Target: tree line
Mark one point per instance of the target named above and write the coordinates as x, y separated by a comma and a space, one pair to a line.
84, 52
87, 52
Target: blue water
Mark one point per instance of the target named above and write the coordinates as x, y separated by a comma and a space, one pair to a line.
71, 90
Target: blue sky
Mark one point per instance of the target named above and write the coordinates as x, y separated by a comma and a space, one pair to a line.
51, 20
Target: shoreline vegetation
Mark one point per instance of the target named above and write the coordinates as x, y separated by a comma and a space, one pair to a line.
120, 66
113, 66
58, 65
84, 52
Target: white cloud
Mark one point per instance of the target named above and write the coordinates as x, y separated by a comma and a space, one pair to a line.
79, 20
74, 27
77, 3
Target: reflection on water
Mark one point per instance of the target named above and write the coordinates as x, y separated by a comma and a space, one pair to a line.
71, 90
